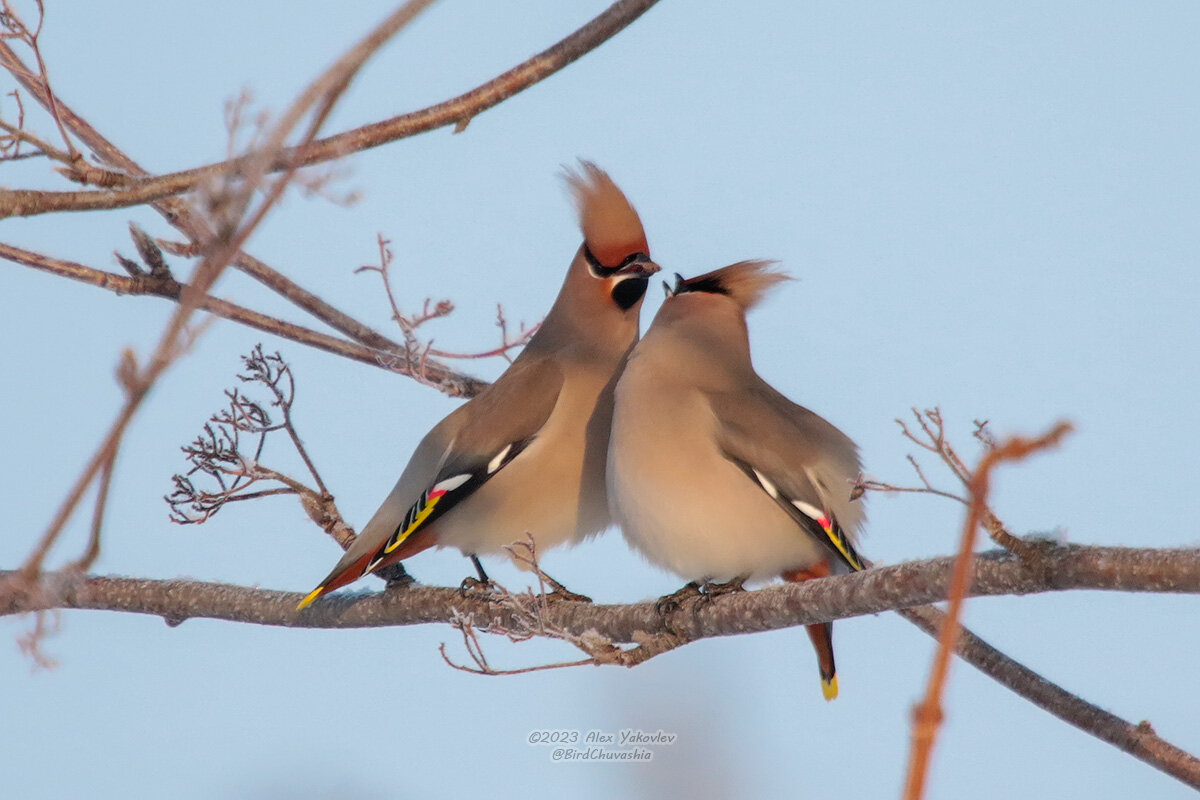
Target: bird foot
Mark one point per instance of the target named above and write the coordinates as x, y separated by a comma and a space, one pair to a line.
670, 603
472, 588
711, 589
561, 593
396, 576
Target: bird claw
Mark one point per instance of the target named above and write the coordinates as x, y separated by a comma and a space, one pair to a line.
396, 576
472, 588
696, 594
561, 593
710, 589
670, 603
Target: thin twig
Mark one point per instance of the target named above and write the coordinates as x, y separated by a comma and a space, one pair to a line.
457, 111
928, 715
323, 93
92, 552
180, 215
169, 289
1139, 741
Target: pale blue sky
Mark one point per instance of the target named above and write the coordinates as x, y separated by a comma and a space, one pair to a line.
992, 208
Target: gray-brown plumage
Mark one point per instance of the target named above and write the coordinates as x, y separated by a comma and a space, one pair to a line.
712, 473
528, 453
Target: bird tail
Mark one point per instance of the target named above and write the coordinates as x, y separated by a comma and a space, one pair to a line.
820, 634
342, 574
353, 566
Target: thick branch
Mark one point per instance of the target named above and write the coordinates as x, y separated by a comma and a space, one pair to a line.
457, 111
904, 587
870, 592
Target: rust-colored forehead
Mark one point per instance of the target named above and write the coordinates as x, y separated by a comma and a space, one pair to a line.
611, 227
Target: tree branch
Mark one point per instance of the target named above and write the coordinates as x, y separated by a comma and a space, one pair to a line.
1139, 741
927, 717
457, 111
907, 588
183, 218
219, 247
170, 289
873, 591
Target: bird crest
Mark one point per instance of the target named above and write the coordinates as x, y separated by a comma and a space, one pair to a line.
746, 282
611, 227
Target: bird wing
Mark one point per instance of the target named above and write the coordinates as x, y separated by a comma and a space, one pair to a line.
799, 459
460, 454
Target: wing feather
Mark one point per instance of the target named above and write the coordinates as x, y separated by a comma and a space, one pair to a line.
799, 459
460, 454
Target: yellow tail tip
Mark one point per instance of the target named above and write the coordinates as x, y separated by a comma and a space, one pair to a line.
315, 593
829, 688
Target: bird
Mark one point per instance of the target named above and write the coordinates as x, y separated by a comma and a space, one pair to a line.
715, 475
528, 453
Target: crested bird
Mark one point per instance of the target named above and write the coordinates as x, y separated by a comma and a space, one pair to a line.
712, 473
527, 454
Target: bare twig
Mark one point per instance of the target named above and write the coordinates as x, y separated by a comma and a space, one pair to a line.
20, 31
143, 284
457, 111
933, 439
231, 234
419, 351
92, 552
1140, 741
218, 453
527, 615
186, 220
928, 715
45, 623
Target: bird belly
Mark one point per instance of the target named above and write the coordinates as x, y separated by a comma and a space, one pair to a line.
690, 510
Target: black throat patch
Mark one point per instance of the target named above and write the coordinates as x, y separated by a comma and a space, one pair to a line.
628, 292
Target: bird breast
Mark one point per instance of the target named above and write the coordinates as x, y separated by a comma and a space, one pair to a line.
679, 501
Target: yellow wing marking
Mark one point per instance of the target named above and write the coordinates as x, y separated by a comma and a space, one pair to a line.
308, 601
417, 521
848, 554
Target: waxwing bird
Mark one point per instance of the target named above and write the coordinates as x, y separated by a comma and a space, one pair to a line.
713, 474
528, 453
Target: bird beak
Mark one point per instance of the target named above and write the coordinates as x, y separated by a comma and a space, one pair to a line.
641, 266
667, 291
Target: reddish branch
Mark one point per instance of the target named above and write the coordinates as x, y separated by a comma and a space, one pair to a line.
219, 248
170, 289
928, 715
457, 111
1139, 741
180, 215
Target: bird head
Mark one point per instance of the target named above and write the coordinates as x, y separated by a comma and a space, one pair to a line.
744, 284
614, 250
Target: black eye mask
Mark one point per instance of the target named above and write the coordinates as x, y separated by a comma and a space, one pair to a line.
601, 271
710, 285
